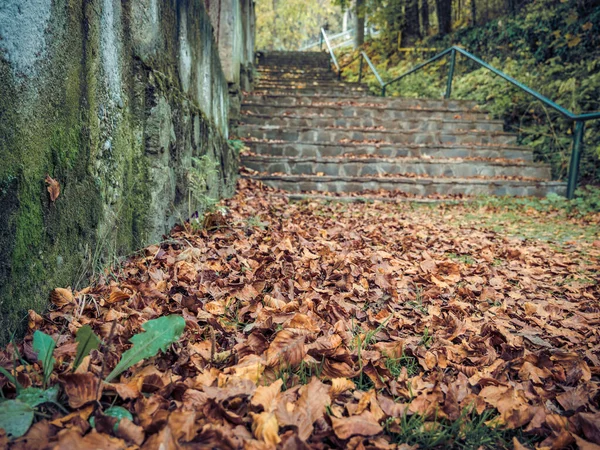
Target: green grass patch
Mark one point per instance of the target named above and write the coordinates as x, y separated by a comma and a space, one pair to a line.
470, 431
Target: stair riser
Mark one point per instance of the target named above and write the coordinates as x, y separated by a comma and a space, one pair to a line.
353, 168
285, 72
405, 125
317, 92
335, 136
386, 102
415, 187
375, 114
329, 151
309, 81
292, 64
310, 85
300, 78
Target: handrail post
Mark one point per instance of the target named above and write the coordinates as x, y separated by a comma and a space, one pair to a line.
450, 74
321, 42
575, 158
360, 69
383, 90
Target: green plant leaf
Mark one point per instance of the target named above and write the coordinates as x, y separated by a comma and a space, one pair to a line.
10, 377
15, 417
159, 334
44, 346
87, 341
35, 396
115, 411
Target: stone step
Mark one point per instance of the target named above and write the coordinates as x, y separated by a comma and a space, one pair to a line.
336, 135
360, 167
312, 91
375, 112
361, 122
288, 71
393, 197
296, 99
308, 83
302, 86
423, 186
300, 76
322, 150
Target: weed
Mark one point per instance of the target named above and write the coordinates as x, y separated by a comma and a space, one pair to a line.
469, 431
254, 221
303, 374
427, 339
465, 259
395, 365
236, 145
201, 172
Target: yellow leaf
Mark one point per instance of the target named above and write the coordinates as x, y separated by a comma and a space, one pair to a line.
340, 385
266, 428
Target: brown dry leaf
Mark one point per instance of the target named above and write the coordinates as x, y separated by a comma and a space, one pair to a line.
71, 439
340, 385
286, 349
130, 432
362, 425
117, 296
81, 388
53, 188
61, 297
266, 396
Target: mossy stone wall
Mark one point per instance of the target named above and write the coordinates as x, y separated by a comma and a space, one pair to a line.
112, 99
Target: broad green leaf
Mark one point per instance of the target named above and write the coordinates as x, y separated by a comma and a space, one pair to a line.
44, 346
15, 417
86, 342
115, 411
35, 396
159, 334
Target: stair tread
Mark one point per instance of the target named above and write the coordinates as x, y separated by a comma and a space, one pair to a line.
386, 144
409, 178
399, 159
326, 116
267, 127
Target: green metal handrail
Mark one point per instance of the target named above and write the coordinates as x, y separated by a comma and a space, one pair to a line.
578, 119
335, 61
365, 57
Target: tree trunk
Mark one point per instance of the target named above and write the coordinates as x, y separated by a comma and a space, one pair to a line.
411, 28
444, 13
473, 13
359, 24
425, 16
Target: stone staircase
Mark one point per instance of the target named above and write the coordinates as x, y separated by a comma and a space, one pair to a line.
308, 131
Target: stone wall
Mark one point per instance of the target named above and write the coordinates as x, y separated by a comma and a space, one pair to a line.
234, 28
113, 99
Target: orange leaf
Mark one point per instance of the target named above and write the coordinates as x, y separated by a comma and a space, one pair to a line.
53, 188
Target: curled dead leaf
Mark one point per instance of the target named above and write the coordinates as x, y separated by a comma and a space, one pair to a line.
53, 188
61, 297
117, 296
340, 385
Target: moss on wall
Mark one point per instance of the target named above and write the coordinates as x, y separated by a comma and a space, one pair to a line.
109, 112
